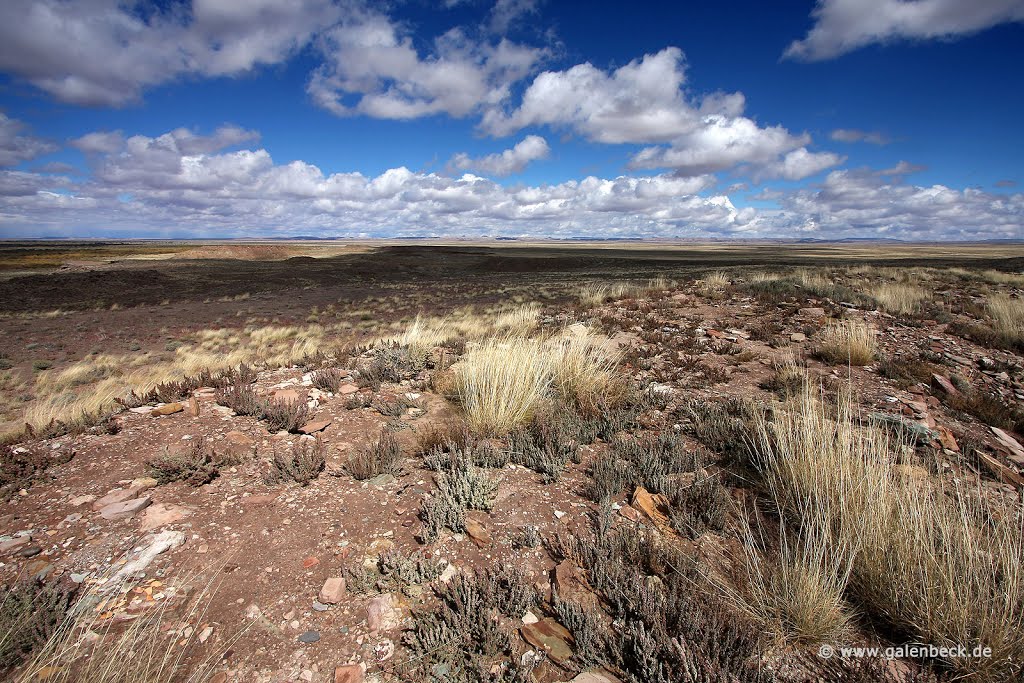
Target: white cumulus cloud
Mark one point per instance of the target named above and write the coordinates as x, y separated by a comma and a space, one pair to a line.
187, 183
507, 162
644, 102
369, 59
841, 26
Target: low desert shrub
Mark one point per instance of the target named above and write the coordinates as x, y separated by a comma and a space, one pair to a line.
381, 456
24, 464
388, 364
669, 625
527, 536
698, 505
723, 426
447, 435
787, 378
906, 370
241, 398
460, 488
471, 627
30, 614
393, 571
302, 462
287, 415
328, 379
990, 408
851, 342
198, 464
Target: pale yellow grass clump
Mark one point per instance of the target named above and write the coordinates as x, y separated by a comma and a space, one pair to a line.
1009, 316
426, 333
901, 298
713, 283
813, 280
765, 276
501, 382
585, 371
1001, 278
935, 560
797, 591
851, 341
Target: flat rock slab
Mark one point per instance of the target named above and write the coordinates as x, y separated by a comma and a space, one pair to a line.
14, 544
163, 514
383, 613
943, 384
126, 509
113, 496
168, 409
596, 676
477, 533
1011, 444
550, 636
314, 426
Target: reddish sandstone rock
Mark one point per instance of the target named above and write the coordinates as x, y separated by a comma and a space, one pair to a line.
315, 426
167, 409
126, 509
349, 673
551, 637
477, 533
333, 591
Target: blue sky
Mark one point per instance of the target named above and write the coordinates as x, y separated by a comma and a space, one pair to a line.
214, 118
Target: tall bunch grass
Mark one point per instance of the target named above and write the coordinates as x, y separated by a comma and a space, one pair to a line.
935, 560
501, 382
851, 341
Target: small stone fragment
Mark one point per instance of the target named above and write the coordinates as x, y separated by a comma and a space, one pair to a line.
333, 591
349, 673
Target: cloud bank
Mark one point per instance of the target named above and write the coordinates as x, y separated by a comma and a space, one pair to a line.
184, 183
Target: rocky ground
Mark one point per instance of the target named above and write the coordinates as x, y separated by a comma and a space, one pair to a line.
301, 579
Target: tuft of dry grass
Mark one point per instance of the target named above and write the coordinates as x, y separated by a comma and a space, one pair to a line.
1008, 315
501, 382
900, 298
150, 648
851, 342
713, 283
797, 590
585, 372
932, 558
